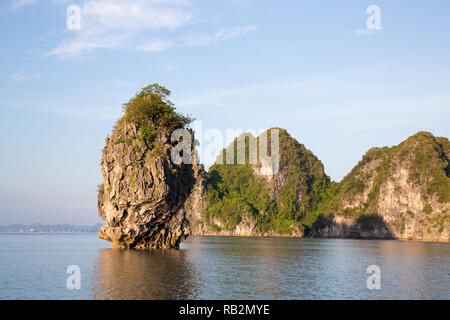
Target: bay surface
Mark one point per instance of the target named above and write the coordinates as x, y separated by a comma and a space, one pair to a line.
33, 266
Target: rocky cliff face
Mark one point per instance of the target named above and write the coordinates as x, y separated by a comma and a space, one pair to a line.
143, 192
252, 199
148, 201
400, 192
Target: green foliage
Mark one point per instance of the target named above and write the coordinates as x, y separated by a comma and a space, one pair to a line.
152, 106
306, 198
306, 180
233, 191
439, 221
353, 183
422, 154
152, 112
431, 165
427, 209
124, 140
439, 185
383, 171
147, 133
157, 151
132, 180
354, 211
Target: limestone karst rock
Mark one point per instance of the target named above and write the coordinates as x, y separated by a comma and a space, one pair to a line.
253, 198
401, 192
149, 201
143, 192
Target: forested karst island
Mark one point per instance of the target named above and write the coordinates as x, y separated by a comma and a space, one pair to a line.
143, 192
148, 201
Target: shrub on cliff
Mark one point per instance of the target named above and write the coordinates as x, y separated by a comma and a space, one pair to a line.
151, 110
152, 106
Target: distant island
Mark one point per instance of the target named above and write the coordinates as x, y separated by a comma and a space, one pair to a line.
57, 228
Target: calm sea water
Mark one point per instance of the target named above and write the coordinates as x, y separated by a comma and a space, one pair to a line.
33, 266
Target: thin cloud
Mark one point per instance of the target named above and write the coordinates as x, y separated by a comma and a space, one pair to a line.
218, 36
193, 41
116, 23
75, 47
156, 45
109, 24
21, 76
17, 4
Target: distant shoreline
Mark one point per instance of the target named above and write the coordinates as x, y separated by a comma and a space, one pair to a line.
47, 232
316, 237
57, 228
94, 230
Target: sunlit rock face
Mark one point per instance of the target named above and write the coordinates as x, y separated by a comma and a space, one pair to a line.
143, 192
401, 192
148, 169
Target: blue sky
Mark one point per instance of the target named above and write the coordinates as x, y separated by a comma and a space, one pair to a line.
311, 67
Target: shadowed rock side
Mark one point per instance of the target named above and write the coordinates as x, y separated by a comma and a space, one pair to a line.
143, 192
365, 227
401, 192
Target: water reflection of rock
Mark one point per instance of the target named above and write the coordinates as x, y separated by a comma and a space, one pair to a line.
132, 274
